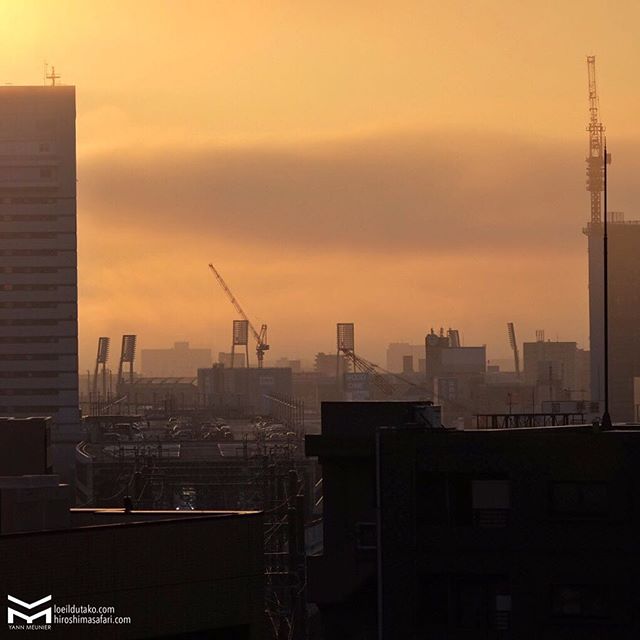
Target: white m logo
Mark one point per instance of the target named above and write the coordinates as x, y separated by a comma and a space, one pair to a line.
26, 605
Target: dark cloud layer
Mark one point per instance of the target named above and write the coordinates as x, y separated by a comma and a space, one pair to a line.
391, 193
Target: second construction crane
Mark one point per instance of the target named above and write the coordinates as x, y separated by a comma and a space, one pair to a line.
259, 336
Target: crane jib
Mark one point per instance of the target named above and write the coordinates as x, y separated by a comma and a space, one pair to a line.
260, 337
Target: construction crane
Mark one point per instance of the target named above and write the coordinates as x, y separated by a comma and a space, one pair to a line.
511, 330
378, 373
260, 336
360, 364
346, 348
596, 146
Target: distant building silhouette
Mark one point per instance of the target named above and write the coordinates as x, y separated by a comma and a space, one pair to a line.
397, 351
559, 368
181, 361
454, 373
328, 364
287, 363
231, 360
243, 391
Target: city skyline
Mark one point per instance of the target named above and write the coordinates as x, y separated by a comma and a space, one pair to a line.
177, 167
363, 282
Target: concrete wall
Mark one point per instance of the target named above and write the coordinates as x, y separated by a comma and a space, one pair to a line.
187, 575
25, 447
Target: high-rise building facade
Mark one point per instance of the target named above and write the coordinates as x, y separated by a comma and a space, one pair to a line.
624, 314
38, 260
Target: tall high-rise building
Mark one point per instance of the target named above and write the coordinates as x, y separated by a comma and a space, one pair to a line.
624, 314
623, 281
38, 261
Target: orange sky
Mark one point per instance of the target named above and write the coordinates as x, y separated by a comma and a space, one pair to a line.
402, 165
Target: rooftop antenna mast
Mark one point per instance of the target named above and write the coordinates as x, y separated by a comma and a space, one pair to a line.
596, 146
53, 76
606, 418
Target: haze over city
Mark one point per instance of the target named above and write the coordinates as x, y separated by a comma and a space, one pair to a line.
400, 167
364, 283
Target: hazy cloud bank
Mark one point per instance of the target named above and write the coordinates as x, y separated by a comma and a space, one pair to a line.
396, 233
407, 192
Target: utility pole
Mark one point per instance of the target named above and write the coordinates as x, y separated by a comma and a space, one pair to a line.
606, 418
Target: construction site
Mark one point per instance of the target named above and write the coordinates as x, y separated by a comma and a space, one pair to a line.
187, 466
231, 437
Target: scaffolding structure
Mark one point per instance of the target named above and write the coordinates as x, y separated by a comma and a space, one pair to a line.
523, 420
254, 473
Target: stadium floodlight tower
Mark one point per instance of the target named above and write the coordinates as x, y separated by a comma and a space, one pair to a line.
101, 366
346, 343
240, 339
127, 356
513, 343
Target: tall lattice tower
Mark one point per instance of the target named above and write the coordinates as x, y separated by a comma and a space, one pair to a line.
596, 145
593, 230
623, 283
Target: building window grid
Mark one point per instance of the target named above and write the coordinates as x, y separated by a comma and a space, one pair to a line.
36, 322
28, 392
31, 339
30, 374
21, 225
15, 357
31, 269
464, 500
573, 601
29, 305
579, 499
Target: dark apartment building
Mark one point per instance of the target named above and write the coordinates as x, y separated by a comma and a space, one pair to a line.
496, 534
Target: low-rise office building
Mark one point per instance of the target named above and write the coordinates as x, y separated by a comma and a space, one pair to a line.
155, 573
243, 391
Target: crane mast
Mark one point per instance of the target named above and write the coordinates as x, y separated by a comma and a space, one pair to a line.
596, 145
259, 336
